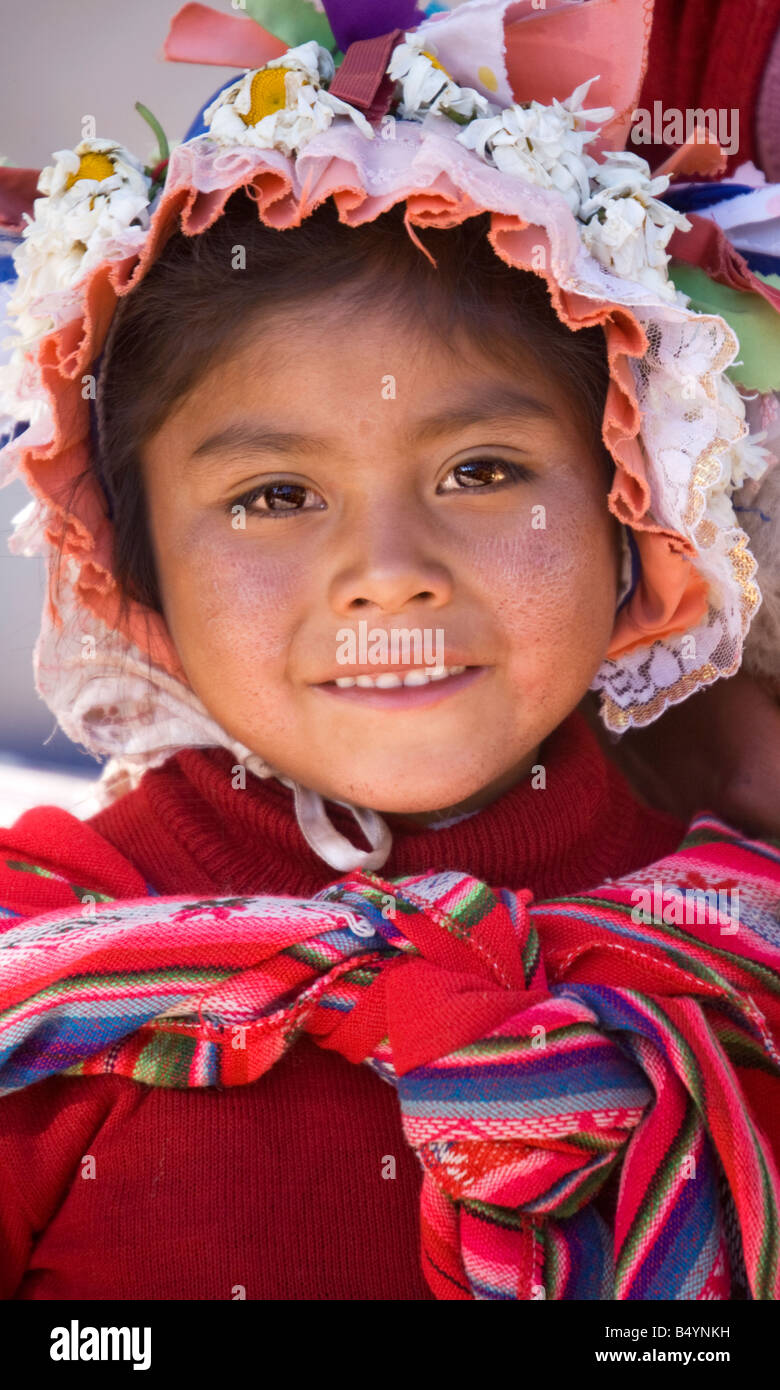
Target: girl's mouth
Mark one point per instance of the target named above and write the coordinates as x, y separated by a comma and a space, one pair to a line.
403, 689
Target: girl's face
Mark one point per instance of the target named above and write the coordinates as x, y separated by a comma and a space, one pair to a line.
333, 477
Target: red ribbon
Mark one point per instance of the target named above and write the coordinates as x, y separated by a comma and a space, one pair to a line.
361, 79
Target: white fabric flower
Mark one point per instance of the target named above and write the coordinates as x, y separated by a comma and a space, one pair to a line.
750, 458
94, 207
282, 105
545, 145
92, 196
626, 228
427, 87
622, 172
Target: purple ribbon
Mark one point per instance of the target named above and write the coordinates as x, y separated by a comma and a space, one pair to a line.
351, 20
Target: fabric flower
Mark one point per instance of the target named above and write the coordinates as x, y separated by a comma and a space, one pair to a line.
545, 145
746, 459
427, 87
92, 196
282, 105
626, 228
94, 207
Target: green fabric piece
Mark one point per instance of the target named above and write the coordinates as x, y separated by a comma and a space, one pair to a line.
292, 21
755, 322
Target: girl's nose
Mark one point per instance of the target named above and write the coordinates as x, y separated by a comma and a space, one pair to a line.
390, 574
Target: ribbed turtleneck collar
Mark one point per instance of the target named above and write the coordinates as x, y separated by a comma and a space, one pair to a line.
188, 829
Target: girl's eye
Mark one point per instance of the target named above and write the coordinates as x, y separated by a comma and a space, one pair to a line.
476, 474
278, 499
288, 498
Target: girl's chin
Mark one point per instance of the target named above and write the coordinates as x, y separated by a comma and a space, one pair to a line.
407, 798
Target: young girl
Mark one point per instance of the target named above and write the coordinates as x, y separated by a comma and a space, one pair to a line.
361, 459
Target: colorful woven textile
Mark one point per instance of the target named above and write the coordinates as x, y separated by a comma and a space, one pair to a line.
535, 1048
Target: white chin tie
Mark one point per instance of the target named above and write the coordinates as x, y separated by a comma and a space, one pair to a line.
325, 839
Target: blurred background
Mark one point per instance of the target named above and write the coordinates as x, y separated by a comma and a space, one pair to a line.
63, 60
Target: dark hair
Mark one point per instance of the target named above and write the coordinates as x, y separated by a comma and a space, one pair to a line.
194, 304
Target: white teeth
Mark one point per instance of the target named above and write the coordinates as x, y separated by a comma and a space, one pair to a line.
389, 680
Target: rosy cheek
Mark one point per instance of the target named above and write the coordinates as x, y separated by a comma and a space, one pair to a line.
547, 598
232, 598
531, 569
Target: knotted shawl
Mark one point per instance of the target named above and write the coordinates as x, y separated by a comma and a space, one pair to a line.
536, 1048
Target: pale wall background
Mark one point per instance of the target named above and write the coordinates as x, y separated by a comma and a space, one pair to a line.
59, 61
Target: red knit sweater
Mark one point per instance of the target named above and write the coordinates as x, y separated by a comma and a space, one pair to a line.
711, 54
276, 1187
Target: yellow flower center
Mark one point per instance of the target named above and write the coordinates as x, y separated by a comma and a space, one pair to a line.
91, 166
435, 62
268, 94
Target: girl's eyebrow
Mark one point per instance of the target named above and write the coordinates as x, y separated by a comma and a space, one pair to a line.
246, 438
483, 406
